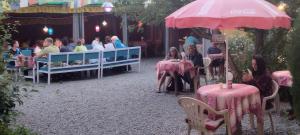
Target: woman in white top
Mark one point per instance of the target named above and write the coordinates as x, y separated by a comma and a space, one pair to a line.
109, 45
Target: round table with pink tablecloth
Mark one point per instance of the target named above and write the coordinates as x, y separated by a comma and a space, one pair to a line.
178, 66
239, 100
175, 67
283, 78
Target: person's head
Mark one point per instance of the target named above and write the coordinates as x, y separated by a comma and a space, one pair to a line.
48, 42
173, 53
97, 39
16, 44
114, 38
58, 42
107, 39
80, 42
39, 43
258, 64
192, 49
65, 41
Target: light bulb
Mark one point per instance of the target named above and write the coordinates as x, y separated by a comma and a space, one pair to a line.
45, 29
104, 23
97, 28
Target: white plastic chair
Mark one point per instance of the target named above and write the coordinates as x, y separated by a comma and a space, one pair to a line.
275, 89
197, 118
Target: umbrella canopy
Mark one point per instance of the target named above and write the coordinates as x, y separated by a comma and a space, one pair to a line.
228, 14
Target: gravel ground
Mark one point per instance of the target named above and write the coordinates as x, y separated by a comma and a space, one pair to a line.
123, 104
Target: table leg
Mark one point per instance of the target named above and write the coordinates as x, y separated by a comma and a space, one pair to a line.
239, 130
195, 81
260, 128
176, 85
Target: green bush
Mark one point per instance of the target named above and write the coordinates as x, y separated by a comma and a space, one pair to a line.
5, 130
294, 64
241, 48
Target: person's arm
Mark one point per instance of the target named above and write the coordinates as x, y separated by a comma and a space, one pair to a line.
41, 53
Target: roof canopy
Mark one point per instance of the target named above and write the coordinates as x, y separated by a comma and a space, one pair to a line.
52, 6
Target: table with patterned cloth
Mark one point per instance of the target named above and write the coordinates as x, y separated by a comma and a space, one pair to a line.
25, 61
239, 100
283, 78
175, 67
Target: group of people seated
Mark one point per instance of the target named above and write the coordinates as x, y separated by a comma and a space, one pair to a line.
194, 56
43, 48
257, 75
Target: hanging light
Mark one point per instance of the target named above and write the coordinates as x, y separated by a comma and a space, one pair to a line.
45, 29
97, 28
50, 31
108, 6
104, 23
282, 6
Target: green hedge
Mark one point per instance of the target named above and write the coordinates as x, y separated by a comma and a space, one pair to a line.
294, 64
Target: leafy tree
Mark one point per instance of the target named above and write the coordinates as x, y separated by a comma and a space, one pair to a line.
149, 11
294, 64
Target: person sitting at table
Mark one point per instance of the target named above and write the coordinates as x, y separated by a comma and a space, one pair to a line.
64, 47
80, 46
172, 55
15, 50
37, 47
49, 47
108, 44
117, 42
217, 58
197, 60
259, 77
97, 45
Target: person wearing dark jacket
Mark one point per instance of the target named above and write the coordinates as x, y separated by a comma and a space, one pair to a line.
197, 59
260, 78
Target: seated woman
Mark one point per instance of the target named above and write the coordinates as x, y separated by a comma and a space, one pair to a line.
14, 52
172, 55
197, 59
259, 78
80, 46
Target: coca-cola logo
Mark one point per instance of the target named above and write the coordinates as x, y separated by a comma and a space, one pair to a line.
243, 12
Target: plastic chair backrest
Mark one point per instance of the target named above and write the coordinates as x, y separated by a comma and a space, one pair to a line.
122, 54
26, 52
75, 56
134, 53
89, 47
58, 58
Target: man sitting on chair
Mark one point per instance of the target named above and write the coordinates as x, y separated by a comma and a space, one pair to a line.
217, 58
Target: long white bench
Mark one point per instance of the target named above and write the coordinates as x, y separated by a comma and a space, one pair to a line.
85, 61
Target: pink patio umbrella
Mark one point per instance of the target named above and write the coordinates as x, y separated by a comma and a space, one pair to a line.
228, 14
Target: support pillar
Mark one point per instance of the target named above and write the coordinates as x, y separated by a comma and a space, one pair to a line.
125, 29
166, 41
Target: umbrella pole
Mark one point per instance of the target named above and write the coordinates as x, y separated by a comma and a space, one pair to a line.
226, 62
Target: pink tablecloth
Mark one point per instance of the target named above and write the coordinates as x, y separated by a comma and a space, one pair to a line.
239, 100
283, 78
22, 61
175, 66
